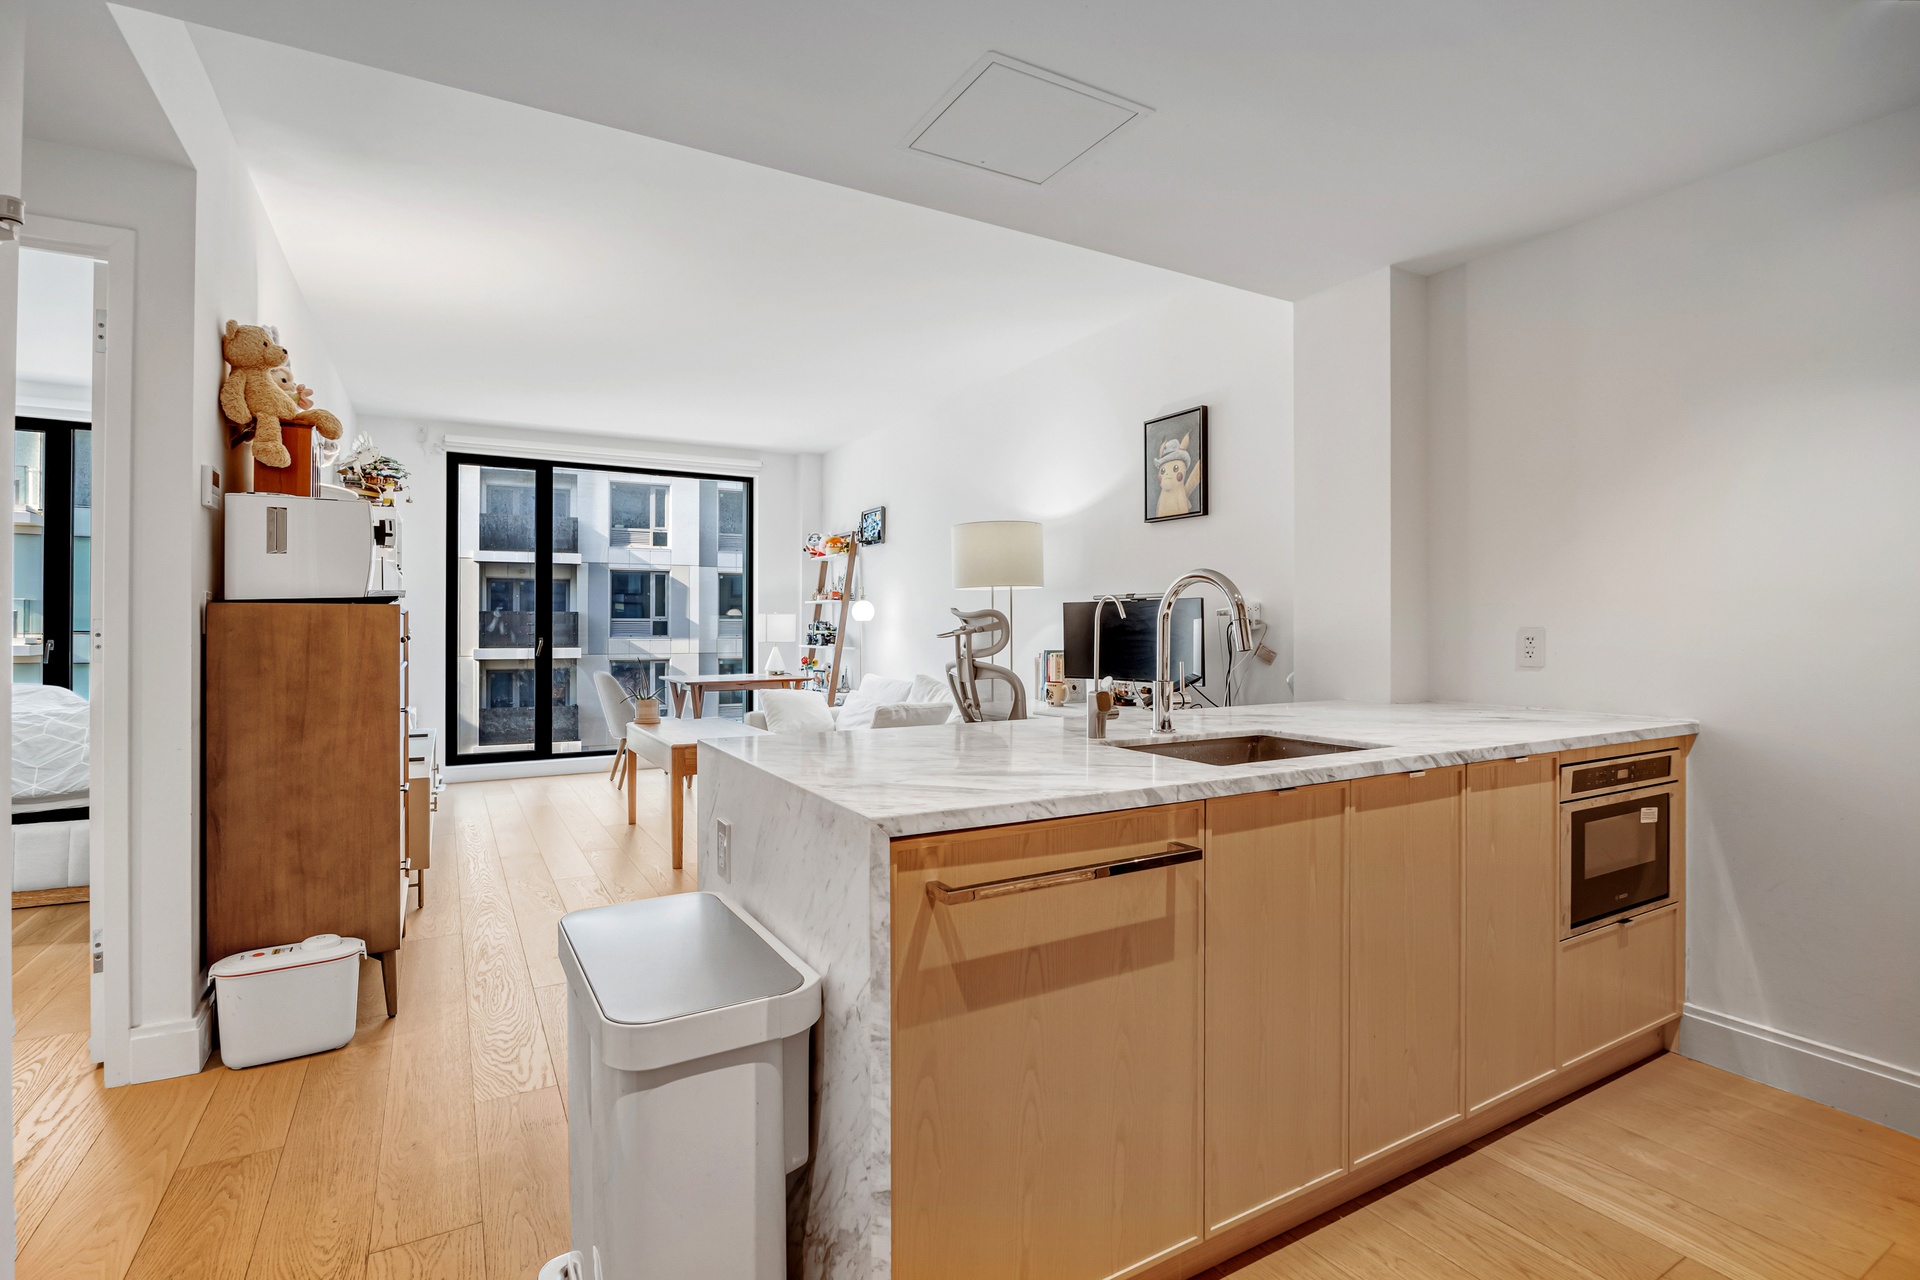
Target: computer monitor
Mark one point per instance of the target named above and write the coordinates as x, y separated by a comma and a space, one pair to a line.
1126, 644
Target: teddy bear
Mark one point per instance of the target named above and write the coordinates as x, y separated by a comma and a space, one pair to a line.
257, 392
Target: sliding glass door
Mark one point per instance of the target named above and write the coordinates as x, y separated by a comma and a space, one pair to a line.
562, 574
52, 560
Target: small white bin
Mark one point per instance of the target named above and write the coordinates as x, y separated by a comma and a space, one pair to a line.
687, 1035
286, 1002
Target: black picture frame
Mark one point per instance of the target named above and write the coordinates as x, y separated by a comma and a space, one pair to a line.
872, 528
1178, 440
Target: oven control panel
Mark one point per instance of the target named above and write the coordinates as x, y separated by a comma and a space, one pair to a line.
1605, 775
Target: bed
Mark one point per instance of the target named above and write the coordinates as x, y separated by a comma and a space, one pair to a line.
50, 785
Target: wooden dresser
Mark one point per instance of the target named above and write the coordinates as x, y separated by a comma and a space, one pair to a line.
306, 774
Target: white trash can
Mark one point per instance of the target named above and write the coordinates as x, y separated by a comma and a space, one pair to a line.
286, 1002
687, 1074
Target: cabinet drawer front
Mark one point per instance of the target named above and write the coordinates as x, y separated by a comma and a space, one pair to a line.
1046, 1052
1403, 930
1618, 981
1276, 997
1512, 882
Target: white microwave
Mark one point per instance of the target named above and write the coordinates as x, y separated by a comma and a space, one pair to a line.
286, 548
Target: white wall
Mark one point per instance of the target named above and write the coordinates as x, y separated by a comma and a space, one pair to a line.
786, 495
1685, 437
1061, 441
204, 254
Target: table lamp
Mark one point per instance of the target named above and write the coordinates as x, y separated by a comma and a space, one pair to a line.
778, 629
998, 553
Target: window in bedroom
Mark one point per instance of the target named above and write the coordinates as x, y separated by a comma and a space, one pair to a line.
52, 552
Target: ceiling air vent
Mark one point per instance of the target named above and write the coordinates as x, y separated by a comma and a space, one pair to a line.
1017, 119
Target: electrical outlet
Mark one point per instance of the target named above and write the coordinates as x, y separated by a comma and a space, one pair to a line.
723, 849
1531, 649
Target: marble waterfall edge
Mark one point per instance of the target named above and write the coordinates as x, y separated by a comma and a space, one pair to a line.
816, 875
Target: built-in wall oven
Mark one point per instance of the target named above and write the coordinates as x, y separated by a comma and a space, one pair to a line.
1616, 838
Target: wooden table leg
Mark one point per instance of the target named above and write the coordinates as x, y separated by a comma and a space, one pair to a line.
682, 770
698, 696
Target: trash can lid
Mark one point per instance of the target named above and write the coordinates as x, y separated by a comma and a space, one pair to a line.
321, 948
662, 958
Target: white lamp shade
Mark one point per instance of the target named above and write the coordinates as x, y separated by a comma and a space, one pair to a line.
998, 553
779, 628
861, 610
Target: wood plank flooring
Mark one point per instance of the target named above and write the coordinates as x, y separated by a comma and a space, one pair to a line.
434, 1146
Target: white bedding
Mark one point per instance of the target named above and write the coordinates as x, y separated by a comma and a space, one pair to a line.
49, 742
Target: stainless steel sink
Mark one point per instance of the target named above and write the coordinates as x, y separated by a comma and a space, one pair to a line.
1247, 748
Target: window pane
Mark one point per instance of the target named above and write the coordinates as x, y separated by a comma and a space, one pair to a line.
493, 650
29, 555
82, 651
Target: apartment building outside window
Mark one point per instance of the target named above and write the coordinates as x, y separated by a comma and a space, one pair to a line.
561, 572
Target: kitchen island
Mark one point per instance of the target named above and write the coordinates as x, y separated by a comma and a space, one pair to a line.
1326, 970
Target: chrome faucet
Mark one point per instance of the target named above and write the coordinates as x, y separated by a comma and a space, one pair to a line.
1096, 719
1163, 682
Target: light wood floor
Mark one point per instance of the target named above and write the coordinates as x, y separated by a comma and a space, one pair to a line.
434, 1146
431, 1148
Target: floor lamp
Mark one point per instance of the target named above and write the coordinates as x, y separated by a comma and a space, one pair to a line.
998, 553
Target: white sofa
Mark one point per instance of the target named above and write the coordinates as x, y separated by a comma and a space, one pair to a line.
880, 702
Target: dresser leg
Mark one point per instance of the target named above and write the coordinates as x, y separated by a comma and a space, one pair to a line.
390, 979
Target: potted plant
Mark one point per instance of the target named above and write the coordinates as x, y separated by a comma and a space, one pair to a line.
646, 701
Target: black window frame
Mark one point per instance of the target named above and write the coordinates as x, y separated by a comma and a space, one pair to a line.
543, 539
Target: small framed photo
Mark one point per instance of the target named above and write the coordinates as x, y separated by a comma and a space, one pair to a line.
873, 526
1176, 466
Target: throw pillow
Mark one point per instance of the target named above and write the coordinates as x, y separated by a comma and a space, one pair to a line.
796, 711
934, 689
874, 691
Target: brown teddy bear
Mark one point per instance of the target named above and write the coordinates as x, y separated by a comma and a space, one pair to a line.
258, 393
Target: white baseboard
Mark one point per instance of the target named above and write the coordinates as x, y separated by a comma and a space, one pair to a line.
168, 1049
527, 768
1865, 1087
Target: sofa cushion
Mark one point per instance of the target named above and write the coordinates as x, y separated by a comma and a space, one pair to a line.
874, 691
905, 715
796, 711
933, 689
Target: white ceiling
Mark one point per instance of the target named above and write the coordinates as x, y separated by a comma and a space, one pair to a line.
473, 259
1294, 144
83, 87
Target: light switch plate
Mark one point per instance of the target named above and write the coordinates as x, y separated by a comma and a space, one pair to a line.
723, 848
209, 488
1530, 650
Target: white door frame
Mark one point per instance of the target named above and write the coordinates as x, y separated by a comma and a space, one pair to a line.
109, 729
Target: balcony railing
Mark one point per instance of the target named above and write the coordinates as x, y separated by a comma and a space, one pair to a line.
504, 629
513, 726
650, 539
508, 532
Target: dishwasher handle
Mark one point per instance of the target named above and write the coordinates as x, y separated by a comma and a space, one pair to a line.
1175, 854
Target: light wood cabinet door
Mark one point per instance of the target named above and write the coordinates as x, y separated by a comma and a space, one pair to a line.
1276, 997
1047, 1052
1617, 982
1511, 883
1403, 949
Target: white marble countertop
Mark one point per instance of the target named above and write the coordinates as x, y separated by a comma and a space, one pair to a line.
948, 777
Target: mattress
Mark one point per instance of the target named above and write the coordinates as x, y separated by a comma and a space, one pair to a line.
49, 743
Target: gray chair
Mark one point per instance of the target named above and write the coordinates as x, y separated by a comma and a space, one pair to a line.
618, 708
